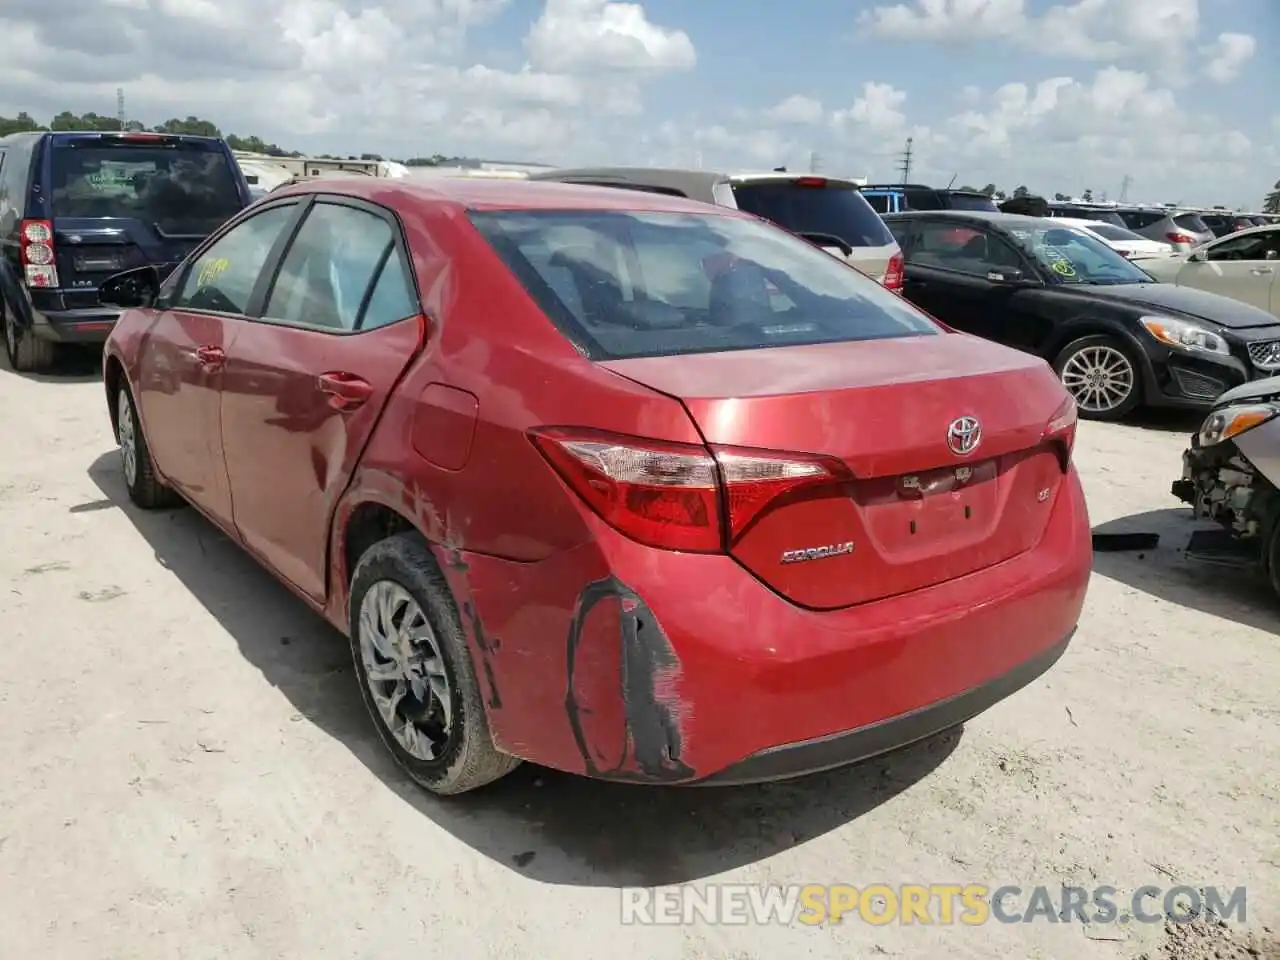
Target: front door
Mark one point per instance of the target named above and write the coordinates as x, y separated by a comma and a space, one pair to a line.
180, 370
305, 382
1243, 268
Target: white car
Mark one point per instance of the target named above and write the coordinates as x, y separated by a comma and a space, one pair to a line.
1244, 266
1123, 241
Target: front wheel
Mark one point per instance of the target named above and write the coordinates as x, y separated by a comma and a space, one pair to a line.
1101, 374
415, 672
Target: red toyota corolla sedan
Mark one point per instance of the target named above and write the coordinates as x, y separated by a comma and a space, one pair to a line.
614, 482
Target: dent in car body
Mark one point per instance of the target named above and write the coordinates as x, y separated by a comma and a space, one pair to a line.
650, 737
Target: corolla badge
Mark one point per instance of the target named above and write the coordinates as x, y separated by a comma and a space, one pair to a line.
817, 553
963, 435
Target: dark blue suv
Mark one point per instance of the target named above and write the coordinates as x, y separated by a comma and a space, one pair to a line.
76, 208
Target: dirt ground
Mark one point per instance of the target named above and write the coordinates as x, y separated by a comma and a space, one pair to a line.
188, 771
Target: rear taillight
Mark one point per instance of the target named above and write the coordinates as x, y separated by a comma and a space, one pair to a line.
1176, 237
1061, 431
677, 496
893, 273
35, 248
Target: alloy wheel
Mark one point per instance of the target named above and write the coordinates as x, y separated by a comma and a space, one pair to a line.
128, 431
405, 671
1100, 378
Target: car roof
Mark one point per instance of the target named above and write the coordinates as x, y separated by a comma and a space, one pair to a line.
1078, 222
670, 175
1003, 221
475, 193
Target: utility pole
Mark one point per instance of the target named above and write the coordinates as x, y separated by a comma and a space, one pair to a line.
120, 106
905, 164
1124, 187
815, 161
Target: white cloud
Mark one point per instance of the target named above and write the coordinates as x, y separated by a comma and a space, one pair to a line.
1227, 56
573, 36
878, 110
796, 109
296, 69
1100, 30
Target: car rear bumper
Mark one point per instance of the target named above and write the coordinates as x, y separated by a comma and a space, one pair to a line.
75, 326
626, 663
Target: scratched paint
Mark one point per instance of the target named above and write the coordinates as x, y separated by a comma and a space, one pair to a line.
650, 737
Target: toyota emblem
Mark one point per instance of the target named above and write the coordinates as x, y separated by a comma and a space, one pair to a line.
963, 435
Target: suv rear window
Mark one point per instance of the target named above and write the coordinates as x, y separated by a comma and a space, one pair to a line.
622, 285
834, 208
182, 188
970, 201
1192, 222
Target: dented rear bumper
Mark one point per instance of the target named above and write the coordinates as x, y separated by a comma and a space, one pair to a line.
617, 661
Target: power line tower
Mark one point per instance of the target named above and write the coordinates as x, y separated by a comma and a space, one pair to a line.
815, 161
1124, 187
904, 164
120, 106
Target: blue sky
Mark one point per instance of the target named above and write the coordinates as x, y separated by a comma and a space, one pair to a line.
1060, 95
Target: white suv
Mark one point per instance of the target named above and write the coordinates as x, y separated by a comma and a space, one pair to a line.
827, 211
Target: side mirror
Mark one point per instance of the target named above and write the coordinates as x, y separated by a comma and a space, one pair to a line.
1272, 255
138, 287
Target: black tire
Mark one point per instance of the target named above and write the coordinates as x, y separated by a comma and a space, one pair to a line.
27, 353
1093, 341
145, 490
468, 759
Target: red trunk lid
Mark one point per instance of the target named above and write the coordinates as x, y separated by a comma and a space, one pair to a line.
916, 512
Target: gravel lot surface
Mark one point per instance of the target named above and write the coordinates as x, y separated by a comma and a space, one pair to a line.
189, 772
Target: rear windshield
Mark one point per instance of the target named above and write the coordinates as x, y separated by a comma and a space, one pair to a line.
184, 189
1108, 232
836, 209
1192, 222
970, 201
622, 285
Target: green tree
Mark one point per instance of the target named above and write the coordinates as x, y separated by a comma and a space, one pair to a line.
192, 127
1087, 196
1272, 203
1021, 191
1061, 196
22, 123
989, 189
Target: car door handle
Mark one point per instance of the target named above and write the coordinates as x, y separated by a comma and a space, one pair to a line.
345, 391
1261, 271
210, 356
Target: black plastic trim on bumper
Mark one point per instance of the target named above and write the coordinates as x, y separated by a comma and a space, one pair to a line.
75, 326
852, 746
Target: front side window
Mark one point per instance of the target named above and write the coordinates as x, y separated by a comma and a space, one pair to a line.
1073, 256
1255, 246
969, 250
647, 284
222, 278
184, 188
336, 259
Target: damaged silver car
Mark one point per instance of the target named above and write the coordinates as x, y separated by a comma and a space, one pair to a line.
1231, 474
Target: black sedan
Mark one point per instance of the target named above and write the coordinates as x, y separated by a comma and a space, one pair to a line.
1116, 337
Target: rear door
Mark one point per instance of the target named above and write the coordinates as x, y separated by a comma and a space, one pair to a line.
124, 200
818, 206
307, 378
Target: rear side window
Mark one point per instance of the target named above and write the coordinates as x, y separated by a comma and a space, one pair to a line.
879, 201
1140, 219
827, 207
968, 201
624, 285
1192, 222
182, 188
332, 275
923, 200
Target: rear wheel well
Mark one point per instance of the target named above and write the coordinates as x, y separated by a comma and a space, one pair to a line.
111, 378
370, 523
